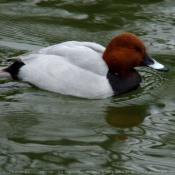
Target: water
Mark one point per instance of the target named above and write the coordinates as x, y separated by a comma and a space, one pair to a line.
46, 133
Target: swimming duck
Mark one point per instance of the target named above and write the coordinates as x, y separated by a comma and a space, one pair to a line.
86, 69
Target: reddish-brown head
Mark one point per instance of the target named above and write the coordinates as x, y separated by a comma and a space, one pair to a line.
124, 52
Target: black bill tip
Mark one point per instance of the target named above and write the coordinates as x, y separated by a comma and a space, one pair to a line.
164, 69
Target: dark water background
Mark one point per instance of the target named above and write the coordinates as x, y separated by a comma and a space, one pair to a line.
132, 133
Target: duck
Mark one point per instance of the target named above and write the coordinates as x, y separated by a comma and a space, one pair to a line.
86, 69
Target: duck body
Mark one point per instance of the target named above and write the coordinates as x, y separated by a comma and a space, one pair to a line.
82, 69
64, 78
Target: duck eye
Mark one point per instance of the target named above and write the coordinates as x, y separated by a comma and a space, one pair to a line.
136, 49
133, 49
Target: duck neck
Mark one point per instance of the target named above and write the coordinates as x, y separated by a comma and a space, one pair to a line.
124, 81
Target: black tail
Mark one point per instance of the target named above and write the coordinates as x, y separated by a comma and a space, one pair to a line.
14, 69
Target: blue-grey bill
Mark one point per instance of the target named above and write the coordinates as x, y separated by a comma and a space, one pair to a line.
151, 62
156, 65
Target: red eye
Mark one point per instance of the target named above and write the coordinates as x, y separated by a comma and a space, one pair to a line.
136, 49
133, 49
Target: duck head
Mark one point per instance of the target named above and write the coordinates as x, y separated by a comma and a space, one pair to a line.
126, 51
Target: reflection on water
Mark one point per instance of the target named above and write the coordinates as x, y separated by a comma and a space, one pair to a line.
40, 130
122, 118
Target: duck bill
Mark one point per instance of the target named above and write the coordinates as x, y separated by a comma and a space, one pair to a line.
150, 62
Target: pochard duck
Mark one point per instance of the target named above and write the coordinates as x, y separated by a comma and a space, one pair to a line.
86, 69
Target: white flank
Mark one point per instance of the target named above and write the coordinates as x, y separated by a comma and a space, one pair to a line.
54, 73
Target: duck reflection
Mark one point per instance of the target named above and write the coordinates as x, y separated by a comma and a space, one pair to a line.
125, 117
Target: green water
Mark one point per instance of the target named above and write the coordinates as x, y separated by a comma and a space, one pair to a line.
46, 133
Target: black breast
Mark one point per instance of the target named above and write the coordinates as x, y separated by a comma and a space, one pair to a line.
124, 83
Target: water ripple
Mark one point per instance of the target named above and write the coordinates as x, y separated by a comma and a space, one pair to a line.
42, 130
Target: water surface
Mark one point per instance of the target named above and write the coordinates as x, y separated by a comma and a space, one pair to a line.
41, 130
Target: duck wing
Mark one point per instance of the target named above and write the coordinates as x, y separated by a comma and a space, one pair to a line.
87, 55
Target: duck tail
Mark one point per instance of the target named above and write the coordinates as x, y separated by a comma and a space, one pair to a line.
4, 74
12, 70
